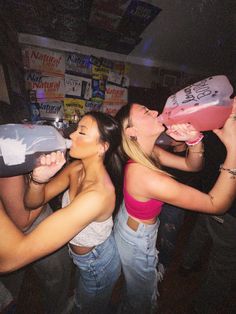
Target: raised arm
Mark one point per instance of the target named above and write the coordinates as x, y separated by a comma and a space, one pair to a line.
17, 249
12, 191
194, 159
218, 200
41, 188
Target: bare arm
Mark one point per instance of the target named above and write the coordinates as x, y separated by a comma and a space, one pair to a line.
17, 250
11, 200
193, 161
39, 194
159, 186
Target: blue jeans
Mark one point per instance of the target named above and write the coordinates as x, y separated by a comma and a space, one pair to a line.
171, 219
97, 274
138, 255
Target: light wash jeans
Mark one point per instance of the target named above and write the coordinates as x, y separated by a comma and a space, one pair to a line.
138, 256
97, 273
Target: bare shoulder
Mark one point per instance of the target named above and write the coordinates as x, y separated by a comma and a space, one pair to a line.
94, 203
148, 181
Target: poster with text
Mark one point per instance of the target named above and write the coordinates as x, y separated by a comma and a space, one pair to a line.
52, 110
74, 109
78, 63
93, 106
78, 86
115, 94
44, 60
46, 87
111, 108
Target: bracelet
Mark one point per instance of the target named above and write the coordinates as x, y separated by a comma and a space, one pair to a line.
196, 141
232, 171
31, 179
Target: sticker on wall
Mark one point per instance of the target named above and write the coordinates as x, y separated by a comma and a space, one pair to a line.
98, 89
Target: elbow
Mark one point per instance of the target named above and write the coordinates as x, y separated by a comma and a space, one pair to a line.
7, 266
29, 204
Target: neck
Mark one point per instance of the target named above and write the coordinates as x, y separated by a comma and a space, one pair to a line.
147, 144
94, 168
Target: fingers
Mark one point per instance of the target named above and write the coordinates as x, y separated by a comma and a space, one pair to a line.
234, 106
53, 158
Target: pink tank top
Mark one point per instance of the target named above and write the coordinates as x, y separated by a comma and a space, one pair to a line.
138, 209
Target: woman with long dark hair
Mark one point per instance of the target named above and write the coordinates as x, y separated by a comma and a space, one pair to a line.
85, 221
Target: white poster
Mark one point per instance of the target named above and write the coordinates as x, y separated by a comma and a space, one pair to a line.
78, 86
44, 60
116, 94
46, 87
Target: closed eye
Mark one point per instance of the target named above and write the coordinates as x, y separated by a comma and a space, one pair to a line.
82, 133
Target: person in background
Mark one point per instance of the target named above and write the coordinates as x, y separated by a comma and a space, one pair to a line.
218, 232
172, 217
85, 221
54, 270
147, 187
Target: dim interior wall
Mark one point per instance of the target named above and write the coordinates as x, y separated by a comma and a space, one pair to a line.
142, 72
143, 76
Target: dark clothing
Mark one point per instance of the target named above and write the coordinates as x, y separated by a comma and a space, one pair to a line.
172, 217
221, 231
221, 271
215, 154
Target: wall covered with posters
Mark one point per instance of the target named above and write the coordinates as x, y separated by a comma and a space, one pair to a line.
64, 86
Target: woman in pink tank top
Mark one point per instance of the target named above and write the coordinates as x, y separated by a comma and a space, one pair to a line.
146, 187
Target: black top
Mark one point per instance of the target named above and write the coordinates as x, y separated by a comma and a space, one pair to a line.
215, 154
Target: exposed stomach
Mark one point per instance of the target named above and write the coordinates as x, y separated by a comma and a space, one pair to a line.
80, 250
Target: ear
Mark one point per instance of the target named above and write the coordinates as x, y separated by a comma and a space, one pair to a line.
103, 148
131, 131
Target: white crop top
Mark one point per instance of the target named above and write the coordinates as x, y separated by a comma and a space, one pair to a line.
94, 234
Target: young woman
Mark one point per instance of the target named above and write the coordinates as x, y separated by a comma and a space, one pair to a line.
86, 219
146, 187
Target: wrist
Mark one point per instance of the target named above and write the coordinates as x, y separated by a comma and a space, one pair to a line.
231, 171
35, 181
195, 141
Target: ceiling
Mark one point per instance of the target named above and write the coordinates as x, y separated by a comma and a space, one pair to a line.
188, 35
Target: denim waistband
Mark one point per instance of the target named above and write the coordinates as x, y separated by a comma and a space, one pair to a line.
123, 216
96, 251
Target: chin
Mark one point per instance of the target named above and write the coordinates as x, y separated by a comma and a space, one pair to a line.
71, 153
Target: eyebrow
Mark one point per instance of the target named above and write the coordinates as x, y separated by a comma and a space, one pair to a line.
82, 127
145, 108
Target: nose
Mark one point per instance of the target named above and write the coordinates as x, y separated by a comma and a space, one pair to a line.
72, 135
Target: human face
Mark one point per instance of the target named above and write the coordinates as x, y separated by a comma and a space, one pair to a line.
85, 140
145, 121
